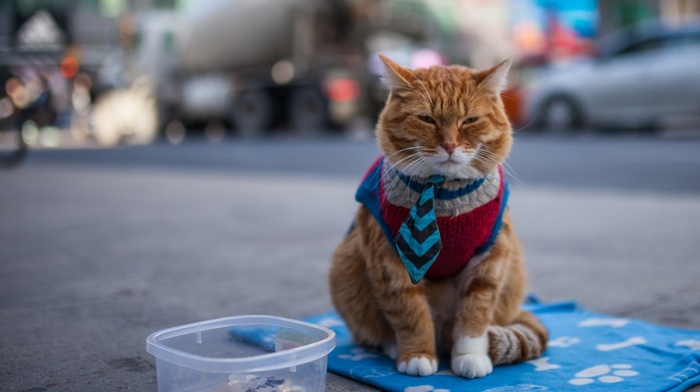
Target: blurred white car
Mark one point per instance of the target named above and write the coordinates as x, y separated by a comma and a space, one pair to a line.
644, 77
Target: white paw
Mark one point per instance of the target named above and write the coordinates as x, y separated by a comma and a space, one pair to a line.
472, 365
418, 366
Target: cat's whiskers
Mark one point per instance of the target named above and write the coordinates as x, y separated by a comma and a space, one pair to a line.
398, 165
409, 168
391, 185
410, 171
412, 168
418, 147
393, 154
492, 159
396, 153
488, 157
507, 169
511, 172
406, 167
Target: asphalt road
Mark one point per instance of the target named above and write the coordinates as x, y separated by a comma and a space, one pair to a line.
666, 165
99, 248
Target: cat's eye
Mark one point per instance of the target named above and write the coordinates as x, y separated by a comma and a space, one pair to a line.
427, 119
470, 120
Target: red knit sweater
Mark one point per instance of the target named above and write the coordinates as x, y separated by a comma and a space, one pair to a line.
463, 236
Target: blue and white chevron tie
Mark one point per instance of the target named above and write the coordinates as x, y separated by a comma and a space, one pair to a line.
418, 241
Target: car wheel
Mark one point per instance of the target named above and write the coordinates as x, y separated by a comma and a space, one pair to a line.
561, 115
252, 113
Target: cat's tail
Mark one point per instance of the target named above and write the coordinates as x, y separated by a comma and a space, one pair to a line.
524, 339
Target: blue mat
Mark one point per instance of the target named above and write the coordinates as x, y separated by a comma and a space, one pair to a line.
587, 352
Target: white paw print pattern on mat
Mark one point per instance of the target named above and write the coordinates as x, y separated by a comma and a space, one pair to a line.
607, 374
542, 364
358, 354
518, 388
424, 388
692, 344
563, 341
637, 340
604, 322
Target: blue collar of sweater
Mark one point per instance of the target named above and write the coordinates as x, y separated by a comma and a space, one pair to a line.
441, 193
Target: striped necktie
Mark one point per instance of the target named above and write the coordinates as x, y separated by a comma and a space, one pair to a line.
418, 241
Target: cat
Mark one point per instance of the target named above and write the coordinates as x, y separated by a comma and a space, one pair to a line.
445, 128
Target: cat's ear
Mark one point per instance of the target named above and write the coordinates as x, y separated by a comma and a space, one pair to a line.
495, 80
397, 77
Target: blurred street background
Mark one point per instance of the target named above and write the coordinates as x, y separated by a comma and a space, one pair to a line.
119, 72
170, 161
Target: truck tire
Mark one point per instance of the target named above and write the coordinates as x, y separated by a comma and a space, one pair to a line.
308, 110
252, 113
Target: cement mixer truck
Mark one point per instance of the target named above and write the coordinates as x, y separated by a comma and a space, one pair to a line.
257, 65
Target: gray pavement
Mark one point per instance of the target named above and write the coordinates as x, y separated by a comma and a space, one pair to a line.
99, 248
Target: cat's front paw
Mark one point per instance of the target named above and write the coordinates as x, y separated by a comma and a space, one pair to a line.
418, 366
472, 365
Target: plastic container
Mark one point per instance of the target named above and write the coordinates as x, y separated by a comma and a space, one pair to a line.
242, 353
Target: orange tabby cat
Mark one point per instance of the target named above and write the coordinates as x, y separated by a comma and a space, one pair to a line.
442, 128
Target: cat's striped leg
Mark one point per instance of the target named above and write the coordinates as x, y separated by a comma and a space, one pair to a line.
353, 298
476, 305
406, 308
381, 306
470, 351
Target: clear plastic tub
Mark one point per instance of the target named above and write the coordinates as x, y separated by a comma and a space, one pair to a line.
242, 353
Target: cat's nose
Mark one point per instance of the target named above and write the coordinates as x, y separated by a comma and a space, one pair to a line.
449, 147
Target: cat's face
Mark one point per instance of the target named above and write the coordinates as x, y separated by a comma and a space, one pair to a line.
444, 120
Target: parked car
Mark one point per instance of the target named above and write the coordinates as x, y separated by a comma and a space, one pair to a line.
644, 77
